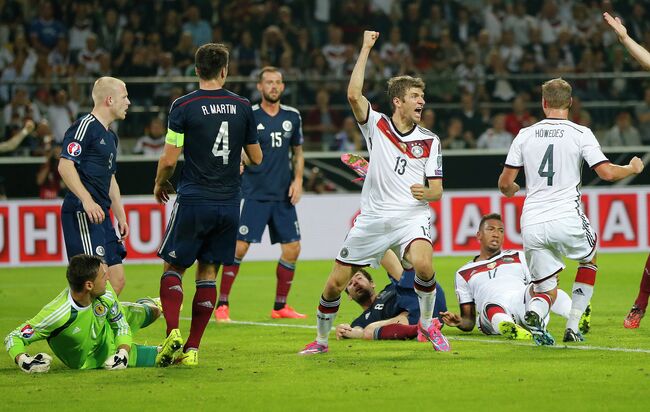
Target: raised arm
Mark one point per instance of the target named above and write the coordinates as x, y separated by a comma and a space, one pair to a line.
636, 50
358, 102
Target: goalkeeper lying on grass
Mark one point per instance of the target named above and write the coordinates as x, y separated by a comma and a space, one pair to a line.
86, 326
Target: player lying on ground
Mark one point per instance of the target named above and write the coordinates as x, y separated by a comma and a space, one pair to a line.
86, 326
496, 283
395, 213
553, 224
392, 313
633, 318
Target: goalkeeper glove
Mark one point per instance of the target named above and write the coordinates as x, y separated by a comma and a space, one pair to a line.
118, 361
38, 364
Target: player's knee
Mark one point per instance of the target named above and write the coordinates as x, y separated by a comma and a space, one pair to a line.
241, 249
290, 252
422, 265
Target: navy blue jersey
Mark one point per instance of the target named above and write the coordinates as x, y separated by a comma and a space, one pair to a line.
212, 126
271, 179
384, 307
93, 149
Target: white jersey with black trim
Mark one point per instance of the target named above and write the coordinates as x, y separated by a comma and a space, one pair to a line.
488, 280
397, 161
551, 153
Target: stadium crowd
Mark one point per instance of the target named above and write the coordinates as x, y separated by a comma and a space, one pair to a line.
466, 50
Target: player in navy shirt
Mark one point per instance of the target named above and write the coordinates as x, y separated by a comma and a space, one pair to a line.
210, 126
392, 313
271, 191
87, 166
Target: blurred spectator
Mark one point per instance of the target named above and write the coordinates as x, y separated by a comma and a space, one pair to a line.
519, 117
470, 74
496, 137
171, 30
16, 139
511, 53
428, 120
470, 116
197, 27
449, 51
464, 28
394, 51
457, 138
623, 133
424, 49
44, 31
80, 31
246, 54
60, 59
642, 112
303, 50
19, 47
551, 24
165, 69
500, 87
153, 141
89, 56
520, 23
273, 45
577, 114
444, 85
349, 139
62, 113
317, 183
322, 122
20, 109
335, 51
48, 179
184, 51
110, 31
18, 71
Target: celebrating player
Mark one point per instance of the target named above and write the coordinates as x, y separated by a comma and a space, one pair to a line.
270, 193
87, 166
86, 326
203, 225
497, 283
394, 201
633, 318
553, 224
392, 313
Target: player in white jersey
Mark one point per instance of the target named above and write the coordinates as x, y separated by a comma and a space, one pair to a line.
553, 224
496, 285
394, 201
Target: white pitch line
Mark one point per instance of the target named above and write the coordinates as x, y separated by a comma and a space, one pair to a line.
457, 338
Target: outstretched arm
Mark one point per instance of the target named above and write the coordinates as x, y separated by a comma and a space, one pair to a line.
358, 102
612, 172
465, 321
636, 50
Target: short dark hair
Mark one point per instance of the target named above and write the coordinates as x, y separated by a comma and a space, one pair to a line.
490, 216
364, 273
81, 269
399, 86
267, 69
210, 59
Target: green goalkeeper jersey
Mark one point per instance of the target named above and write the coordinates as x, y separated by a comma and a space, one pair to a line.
82, 337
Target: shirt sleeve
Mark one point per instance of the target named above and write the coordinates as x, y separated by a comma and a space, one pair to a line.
40, 327
76, 140
433, 167
297, 137
251, 130
176, 126
591, 150
117, 318
463, 292
515, 159
369, 127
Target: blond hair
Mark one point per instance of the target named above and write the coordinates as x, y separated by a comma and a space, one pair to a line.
557, 93
104, 87
398, 86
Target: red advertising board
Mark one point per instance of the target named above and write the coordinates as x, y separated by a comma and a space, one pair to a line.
618, 220
40, 237
466, 213
147, 226
4, 234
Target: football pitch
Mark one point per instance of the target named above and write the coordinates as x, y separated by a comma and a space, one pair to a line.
252, 363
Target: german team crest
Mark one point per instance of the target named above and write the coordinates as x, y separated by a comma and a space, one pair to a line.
74, 149
417, 150
492, 265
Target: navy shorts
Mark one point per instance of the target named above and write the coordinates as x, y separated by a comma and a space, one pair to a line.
203, 232
83, 237
280, 216
408, 299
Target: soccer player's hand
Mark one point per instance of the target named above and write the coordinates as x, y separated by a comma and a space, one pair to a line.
118, 361
94, 211
369, 38
617, 25
637, 165
162, 191
123, 227
38, 364
450, 318
417, 191
295, 191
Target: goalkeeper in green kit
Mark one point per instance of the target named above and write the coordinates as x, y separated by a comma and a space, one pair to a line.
86, 326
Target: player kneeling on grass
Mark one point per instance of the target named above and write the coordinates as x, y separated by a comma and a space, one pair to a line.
497, 283
391, 314
86, 326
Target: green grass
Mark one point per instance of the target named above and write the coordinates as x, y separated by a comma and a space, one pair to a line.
246, 367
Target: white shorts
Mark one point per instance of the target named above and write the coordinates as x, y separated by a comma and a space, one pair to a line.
513, 303
371, 236
545, 244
